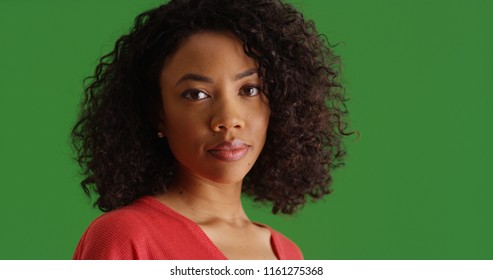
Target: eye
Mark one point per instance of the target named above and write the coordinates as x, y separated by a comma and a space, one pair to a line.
195, 95
250, 90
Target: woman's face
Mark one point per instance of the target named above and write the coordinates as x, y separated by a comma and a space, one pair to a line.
214, 116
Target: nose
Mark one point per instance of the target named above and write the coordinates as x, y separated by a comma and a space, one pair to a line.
227, 115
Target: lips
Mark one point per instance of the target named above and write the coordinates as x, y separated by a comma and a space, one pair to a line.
229, 150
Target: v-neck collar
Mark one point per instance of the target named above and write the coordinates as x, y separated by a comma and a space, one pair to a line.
274, 239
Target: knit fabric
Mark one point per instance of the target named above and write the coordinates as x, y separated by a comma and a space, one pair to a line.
149, 230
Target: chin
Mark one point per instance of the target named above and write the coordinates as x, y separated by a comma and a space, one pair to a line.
226, 176
226, 180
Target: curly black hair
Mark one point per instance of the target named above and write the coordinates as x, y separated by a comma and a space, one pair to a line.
115, 134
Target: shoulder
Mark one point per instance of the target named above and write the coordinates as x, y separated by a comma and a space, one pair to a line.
284, 247
145, 229
113, 235
128, 232
118, 224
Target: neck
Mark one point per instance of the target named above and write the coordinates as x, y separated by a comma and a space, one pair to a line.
204, 201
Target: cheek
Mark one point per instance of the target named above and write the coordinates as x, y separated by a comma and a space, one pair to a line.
176, 120
264, 115
180, 128
261, 121
185, 140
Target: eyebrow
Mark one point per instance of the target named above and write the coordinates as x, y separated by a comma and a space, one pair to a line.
245, 74
202, 78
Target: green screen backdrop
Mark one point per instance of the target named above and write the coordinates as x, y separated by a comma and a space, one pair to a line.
418, 184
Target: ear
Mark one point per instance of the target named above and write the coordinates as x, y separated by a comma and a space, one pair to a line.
155, 115
159, 123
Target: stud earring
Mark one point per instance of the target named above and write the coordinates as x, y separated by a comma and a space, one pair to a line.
160, 134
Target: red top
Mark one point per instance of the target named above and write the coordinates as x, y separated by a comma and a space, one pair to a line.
147, 229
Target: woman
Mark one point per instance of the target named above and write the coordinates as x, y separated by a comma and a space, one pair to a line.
201, 101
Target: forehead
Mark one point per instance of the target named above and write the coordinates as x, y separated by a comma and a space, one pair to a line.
208, 53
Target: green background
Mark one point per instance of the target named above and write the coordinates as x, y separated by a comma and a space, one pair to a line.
417, 184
